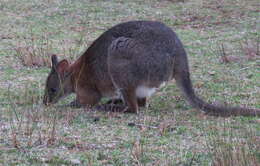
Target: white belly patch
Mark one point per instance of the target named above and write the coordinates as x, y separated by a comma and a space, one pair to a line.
144, 91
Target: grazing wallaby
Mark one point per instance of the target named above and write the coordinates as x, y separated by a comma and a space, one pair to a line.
129, 62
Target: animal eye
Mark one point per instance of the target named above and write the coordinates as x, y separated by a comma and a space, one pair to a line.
53, 90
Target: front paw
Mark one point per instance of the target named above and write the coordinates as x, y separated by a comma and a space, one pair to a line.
113, 108
75, 104
115, 101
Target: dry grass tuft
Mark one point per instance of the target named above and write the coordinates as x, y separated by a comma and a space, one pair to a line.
137, 152
229, 146
30, 58
248, 48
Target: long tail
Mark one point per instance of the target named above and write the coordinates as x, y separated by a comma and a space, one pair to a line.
183, 81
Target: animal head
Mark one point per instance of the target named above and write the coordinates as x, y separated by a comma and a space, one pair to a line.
58, 83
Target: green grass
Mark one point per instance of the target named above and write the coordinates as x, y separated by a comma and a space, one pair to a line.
169, 131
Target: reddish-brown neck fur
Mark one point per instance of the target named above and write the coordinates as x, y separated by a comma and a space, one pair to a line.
77, 69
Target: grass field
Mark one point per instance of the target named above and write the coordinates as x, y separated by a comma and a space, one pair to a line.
221, 38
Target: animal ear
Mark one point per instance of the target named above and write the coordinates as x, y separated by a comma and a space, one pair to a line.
54, 61
62, 67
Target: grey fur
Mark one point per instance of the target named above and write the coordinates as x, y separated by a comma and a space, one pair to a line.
134, 54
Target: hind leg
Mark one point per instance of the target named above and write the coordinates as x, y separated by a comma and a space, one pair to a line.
130, 100
125, 70
141, 102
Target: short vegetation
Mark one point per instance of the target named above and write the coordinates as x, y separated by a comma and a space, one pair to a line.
221, 38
